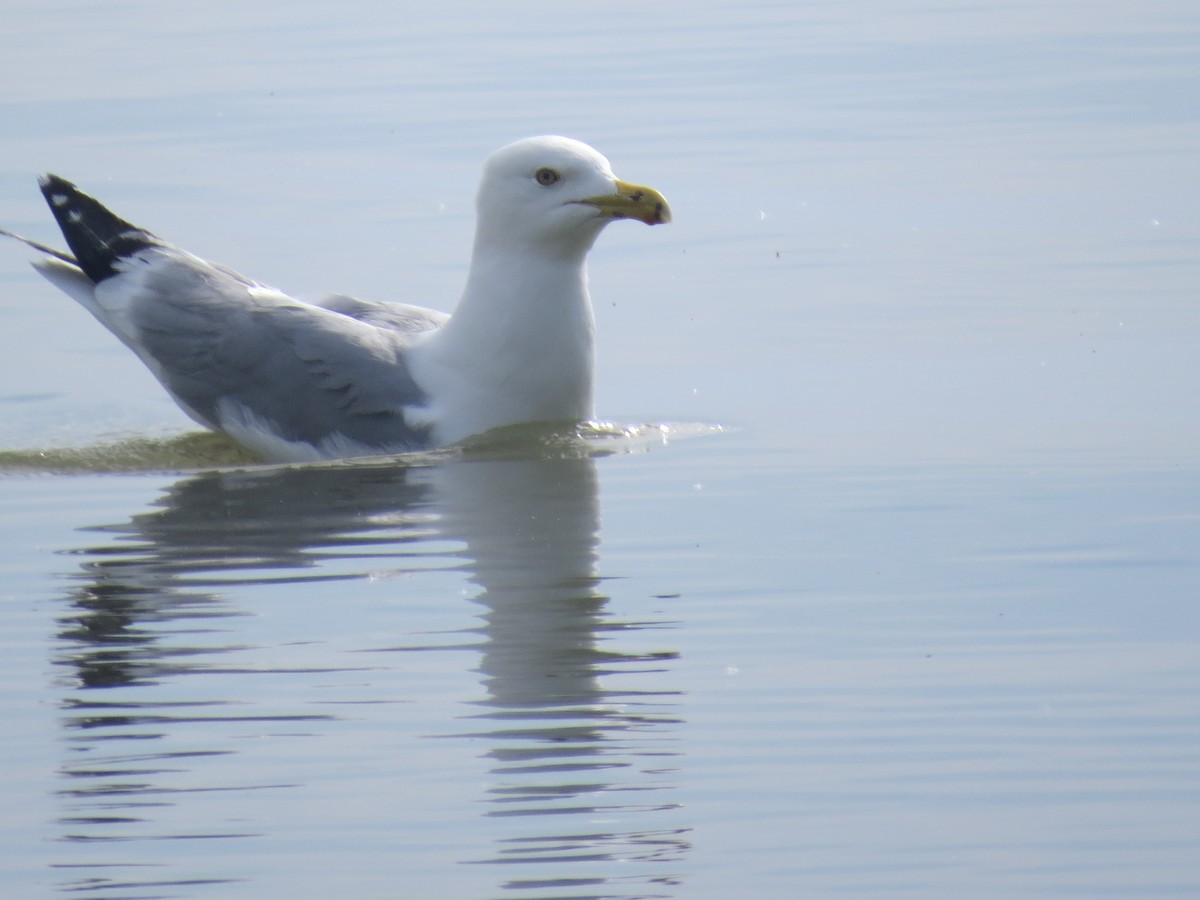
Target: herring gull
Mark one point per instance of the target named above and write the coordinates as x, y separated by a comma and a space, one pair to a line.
296, 381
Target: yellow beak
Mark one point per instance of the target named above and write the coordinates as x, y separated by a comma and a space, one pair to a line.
633, 201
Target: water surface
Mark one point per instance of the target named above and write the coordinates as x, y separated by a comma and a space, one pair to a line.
920, 620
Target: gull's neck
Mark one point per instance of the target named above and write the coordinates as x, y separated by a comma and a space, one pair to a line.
518, 348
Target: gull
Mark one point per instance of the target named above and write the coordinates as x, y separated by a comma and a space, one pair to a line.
296, 381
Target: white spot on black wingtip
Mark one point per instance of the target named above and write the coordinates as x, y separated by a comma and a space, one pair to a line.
60, 199
74, 215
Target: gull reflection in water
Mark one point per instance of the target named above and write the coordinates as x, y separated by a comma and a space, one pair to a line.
580, 752
571, 735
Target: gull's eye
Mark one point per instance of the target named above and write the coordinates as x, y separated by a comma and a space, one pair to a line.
546, 177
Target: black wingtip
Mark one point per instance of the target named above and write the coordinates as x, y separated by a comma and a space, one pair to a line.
97, 237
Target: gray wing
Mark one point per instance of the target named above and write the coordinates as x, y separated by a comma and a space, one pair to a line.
313, 374
399, 317
235, 355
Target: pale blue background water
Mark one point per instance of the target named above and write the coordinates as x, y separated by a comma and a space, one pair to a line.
921, 623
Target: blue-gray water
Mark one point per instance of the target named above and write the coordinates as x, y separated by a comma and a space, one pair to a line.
920, 620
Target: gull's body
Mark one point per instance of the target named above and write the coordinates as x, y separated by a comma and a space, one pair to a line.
292, 380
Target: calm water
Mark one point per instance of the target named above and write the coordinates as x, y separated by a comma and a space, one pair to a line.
920, 620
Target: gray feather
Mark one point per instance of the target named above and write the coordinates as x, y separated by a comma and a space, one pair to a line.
313, 373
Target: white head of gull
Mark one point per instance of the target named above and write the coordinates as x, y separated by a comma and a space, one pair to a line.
292, 380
